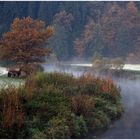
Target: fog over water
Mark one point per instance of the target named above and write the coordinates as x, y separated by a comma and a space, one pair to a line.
65, 68
128, 126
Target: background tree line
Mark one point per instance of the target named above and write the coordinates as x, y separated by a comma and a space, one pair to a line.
83, 28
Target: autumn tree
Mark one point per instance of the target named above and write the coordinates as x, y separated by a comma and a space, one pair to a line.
132, 15
91, 39
120, 28
24, 44
112, 26
79, 46
61, 41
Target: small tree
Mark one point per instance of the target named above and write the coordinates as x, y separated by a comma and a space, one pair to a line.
24, 44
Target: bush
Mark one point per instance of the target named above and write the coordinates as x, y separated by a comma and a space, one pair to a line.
77, 125
12, 115
57, 128
36, 133
55, 105
82, 105
47, 103
81, 127
57, 79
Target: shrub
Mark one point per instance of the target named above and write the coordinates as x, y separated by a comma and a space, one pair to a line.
82, 105
57, 79
56, 105
77, 125
57, 128
47, 103
80, 127
36, 133
12, 115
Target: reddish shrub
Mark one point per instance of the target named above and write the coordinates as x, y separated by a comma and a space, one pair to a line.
12, 112
82, 105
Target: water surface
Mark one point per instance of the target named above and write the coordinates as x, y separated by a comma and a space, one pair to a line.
128, 127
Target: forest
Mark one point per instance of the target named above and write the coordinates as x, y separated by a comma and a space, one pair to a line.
38, 103
83, 29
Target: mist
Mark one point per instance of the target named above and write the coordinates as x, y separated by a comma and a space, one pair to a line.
130, 91
65, 68
128, 125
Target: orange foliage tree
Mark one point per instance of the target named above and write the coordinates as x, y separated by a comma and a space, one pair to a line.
24, 44
81, 43
79, 46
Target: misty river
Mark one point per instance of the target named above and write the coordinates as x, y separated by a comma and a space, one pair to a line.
127, 127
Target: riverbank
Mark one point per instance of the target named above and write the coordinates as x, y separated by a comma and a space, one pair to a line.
57, 105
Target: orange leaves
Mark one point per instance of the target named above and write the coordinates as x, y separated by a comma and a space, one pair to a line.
96, 85
82, 104
63, 18
106, 86
27, 23
85, 38
88, 32
47, 33
79, 46
12, 112
131, 7
25, 42
116, 16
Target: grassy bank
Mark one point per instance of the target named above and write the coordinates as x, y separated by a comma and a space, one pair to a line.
54, 105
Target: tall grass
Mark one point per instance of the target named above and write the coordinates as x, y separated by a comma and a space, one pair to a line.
56, 105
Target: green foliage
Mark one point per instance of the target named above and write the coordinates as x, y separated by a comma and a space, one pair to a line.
101, 120
47, 103
57, 128
81, 127
36, 133
54, 79
55, 105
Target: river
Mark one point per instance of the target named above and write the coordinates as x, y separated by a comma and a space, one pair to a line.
128, 126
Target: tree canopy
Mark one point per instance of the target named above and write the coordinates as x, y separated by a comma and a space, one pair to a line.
83, 28
24, 43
